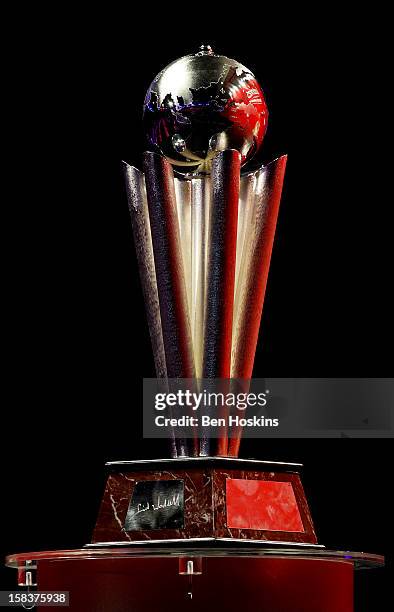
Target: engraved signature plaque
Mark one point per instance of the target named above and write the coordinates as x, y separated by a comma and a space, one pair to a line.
156, 504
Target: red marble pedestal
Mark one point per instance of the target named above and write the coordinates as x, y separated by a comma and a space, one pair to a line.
221, 498
237, 534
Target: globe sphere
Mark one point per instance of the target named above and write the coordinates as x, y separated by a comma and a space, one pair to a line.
201, 104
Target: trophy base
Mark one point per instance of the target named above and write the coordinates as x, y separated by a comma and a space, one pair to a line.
140, 578
207, 497
212, 533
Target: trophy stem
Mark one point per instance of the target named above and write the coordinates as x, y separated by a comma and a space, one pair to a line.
183, 191
199, 239
221, 273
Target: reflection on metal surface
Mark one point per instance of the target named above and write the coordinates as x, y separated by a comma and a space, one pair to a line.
145, 549
203, 103
212, 240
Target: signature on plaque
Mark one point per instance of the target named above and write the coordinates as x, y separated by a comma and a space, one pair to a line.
160, 503
156, 504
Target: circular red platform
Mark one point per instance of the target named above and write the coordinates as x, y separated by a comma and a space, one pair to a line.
125, 579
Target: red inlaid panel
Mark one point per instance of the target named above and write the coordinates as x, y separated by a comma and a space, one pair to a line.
263, 505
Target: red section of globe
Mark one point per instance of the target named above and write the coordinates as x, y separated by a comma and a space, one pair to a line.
248, 113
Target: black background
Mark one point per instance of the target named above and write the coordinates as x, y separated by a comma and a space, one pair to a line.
76, 340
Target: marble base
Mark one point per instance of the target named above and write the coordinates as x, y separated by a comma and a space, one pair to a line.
219, 498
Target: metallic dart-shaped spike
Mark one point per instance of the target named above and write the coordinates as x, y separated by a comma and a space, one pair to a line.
138, 207
170, 275
225, 180
254, 268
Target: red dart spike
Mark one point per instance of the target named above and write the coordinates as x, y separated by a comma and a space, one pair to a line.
255, 274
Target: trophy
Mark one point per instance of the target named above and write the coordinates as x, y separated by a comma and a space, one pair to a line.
202, 528
204, 233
